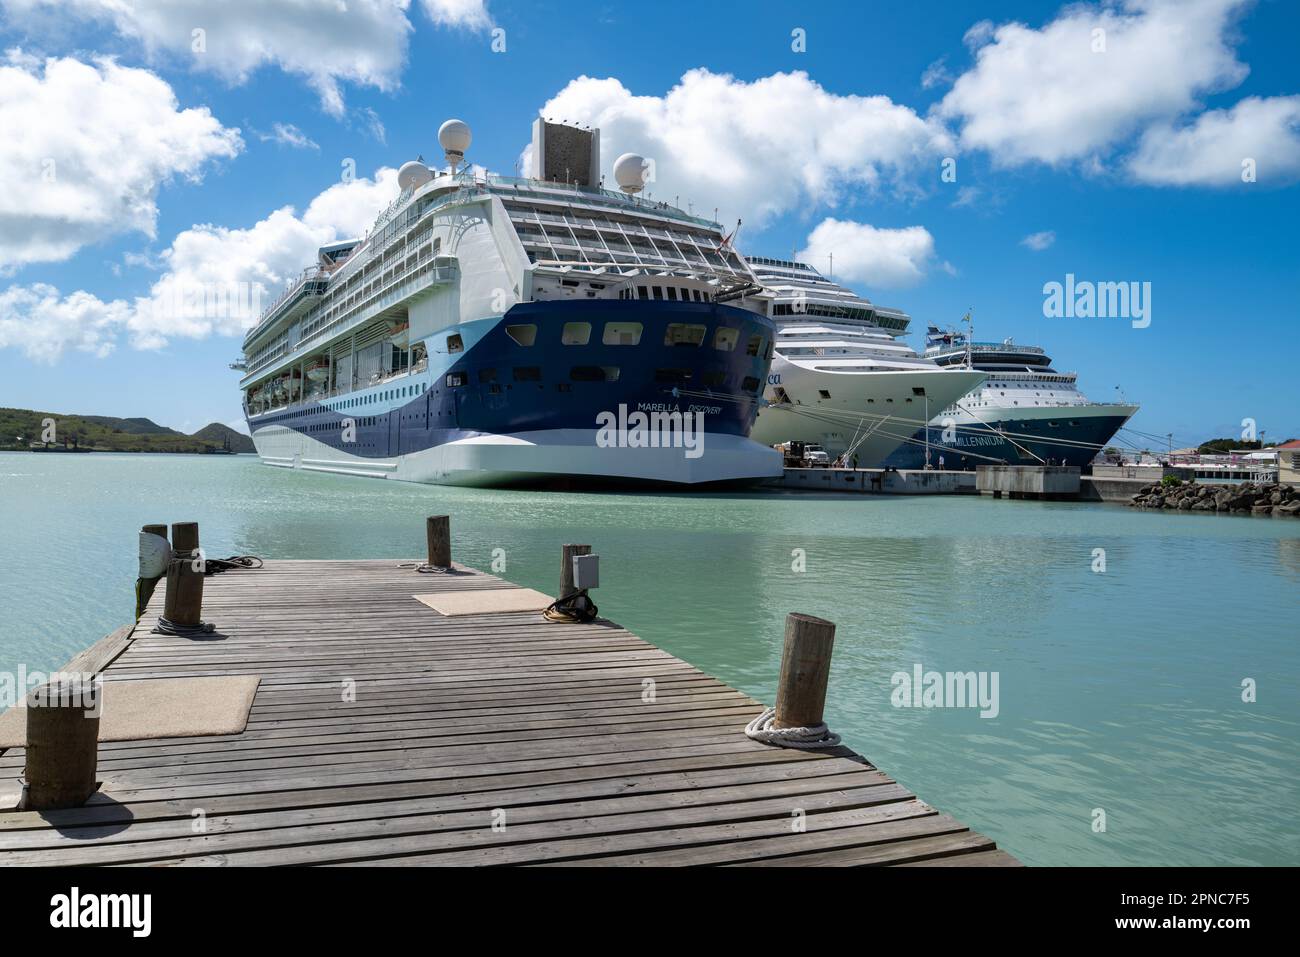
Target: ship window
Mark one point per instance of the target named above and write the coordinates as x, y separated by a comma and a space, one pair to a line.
684, 334
576, 333
714, 378
1055, 425
487, 375
659, 291
528, 373
825, 394
672, 293
568, 282
755, 345
523, 335
594, 373
750, 384
726, 338
455, 343
622, 333
672, 376
641, 292
695, 294
455, 379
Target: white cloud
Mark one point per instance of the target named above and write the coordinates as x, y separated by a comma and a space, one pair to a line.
936, 74
1210, 151
863, 253
471, 14
755, 149
374, 125
1045, 95
328, 42
1039, 241
286, 134
215, 279
86, 149
42, 324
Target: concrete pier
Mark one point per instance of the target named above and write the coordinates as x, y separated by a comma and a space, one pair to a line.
877, 481
1028, 481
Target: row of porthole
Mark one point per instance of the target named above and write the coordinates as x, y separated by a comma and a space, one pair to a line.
711, 379
677, 334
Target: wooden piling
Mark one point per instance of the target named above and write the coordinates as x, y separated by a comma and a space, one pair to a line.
62, 746
438, 533
185, 539
567, 554
184, 600
805, 669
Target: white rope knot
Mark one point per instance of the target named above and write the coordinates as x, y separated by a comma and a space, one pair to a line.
805, 739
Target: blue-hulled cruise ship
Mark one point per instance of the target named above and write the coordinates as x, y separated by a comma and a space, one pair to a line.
493, 330
1024, 413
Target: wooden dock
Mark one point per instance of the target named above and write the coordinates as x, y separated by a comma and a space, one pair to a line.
485, 739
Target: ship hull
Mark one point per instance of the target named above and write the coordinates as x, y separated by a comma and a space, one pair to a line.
516, 402
871, 413
1036, 437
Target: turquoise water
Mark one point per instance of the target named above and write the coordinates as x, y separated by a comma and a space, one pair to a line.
1119, 691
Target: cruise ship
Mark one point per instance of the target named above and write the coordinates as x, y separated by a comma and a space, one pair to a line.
496, 330
841, 378
1024, 413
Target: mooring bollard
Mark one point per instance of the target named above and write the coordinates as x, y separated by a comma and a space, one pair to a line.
185, 539
805, 669
567, 554
438, 533
183, 605
62, 744
155, 552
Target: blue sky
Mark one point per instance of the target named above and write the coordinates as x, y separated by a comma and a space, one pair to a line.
1124, 161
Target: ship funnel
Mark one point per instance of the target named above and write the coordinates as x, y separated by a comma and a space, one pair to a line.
454, 137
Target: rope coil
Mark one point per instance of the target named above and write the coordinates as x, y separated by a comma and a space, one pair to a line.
804, 739
166, 627
424, 568
213, 566
577, 607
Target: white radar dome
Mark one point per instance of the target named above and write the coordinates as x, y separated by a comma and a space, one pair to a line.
629, 172
454, 137
413, 175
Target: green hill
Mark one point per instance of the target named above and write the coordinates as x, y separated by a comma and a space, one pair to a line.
225, 437
22, 429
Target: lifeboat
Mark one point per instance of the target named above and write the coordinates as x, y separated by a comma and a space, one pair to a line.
319, 370
399, 334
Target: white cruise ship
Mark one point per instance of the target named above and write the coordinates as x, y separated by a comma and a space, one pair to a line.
841, 378
1024, 413
493, 331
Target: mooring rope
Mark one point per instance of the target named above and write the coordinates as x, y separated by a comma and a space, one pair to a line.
805, 739
213, 566
577, 607
166, 627
424, 568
